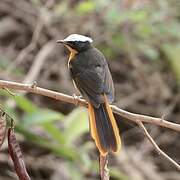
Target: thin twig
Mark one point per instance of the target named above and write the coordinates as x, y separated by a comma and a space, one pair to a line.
9, 92
137, 118
70, 99
103, 169
147, 119
21, 56
156, 147
39, 61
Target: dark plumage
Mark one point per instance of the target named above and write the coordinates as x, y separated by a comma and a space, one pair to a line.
90, 72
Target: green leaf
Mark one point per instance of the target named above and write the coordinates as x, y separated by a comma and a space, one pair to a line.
22, 102
41, 116
60, 150
137, 15
54, 132
76, 123
25, 104
144, 30
113, 16
173, 54
85, 7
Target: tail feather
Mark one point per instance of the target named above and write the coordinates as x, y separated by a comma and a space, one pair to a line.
104, 129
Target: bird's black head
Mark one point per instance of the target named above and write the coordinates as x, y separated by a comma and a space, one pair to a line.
77, 42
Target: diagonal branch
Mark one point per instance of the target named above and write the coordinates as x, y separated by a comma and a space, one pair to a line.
70, 99
156, 147
137, 118
147, 119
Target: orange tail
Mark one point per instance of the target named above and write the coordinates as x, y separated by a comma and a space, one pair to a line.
104, 129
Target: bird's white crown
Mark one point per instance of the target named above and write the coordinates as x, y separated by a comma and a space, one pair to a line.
78, 37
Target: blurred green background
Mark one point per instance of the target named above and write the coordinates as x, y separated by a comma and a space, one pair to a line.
141, 41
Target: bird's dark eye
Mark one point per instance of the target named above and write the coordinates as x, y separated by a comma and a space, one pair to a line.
75, 42
79, 45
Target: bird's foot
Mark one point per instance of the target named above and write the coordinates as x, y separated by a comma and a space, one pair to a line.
76, 99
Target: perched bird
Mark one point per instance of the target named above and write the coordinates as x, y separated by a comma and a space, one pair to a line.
90, 72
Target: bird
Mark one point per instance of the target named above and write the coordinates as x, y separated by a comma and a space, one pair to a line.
91, 75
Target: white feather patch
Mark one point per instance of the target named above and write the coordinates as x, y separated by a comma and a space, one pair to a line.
78, 37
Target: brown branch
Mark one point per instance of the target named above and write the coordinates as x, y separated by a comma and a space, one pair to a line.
70, 99
39, 61
137, 118
156, 147
21, 56
147, 119
103, 169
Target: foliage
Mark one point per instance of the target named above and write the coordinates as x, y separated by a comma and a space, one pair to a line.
123, 30
62, 133
137, 27
173, 53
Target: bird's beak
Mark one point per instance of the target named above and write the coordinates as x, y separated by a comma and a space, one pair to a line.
65, 43
60, 41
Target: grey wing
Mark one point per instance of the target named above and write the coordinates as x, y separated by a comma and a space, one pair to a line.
108, 85
90, 84
94, 82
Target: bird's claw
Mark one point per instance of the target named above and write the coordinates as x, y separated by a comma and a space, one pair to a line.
34, 85
76, 99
